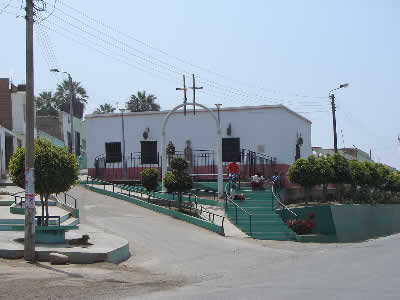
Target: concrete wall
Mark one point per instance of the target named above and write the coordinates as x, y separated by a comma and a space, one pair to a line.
364, 221
323, 217
273, 127
351, 222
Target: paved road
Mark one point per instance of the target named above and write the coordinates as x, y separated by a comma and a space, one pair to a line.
215, 267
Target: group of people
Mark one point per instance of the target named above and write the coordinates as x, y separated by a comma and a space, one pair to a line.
257, 181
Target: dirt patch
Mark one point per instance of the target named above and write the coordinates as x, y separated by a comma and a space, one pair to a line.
22, 280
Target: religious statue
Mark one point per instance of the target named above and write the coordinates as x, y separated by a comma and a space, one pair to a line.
188, 155
170, 150
299, 142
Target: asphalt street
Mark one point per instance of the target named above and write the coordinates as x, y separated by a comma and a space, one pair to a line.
216, 267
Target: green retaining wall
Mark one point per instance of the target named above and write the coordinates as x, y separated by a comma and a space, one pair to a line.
323, 217
357, 222
163, 210
350, 222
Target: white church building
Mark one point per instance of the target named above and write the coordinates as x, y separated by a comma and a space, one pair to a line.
269, 138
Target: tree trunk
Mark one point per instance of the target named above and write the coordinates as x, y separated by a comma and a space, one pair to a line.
180, 201
42, 202
325, 192
307, 194
47, 209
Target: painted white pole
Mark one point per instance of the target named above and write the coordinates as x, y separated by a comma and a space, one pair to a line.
219, 145
219, 161
163, 158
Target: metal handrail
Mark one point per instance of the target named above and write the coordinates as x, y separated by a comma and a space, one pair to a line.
65, 202
41, 219
153, 195
280, 202
236, 208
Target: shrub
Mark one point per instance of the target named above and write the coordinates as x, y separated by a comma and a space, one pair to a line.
303, 172
56, 170
178, 180
178, 164
302, 226
149, 178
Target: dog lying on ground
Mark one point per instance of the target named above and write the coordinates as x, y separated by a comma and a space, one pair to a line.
83, 241
239, 197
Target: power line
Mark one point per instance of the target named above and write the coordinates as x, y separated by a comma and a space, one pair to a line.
146, 60
115, 30
149, 59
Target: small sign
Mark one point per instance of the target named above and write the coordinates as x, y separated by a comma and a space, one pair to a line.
30, 188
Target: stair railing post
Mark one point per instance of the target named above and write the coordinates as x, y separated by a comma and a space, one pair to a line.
236, 214
250, 225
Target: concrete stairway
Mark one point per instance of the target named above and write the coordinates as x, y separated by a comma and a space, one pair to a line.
266, 224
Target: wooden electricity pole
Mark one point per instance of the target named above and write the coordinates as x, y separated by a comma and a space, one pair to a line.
194, 88
184, 89
29, 240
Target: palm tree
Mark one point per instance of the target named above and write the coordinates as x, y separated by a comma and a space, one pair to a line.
104, 108
46, 104
142, 102
62, 96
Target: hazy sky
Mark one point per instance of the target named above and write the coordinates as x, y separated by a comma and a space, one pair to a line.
242, 52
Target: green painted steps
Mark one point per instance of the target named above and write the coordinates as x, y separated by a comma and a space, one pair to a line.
266, 224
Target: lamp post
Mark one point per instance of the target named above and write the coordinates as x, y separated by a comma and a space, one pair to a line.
71, 110
332, 97
122, 110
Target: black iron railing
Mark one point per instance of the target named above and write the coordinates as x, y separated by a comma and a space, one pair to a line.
189, 201
67, 200
228, 199
203, 165
276, 196
41, 220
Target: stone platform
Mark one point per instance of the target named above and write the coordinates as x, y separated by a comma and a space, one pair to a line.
105, 248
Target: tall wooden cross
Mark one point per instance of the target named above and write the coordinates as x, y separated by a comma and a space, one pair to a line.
184, 89
194, 88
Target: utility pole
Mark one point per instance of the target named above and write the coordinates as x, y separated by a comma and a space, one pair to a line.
184, 89
332, 97
194, 88
71, 111
29, 228
334, 122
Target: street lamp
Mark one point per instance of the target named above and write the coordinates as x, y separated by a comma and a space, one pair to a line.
332, 97
218, 109
122, 110
71, 110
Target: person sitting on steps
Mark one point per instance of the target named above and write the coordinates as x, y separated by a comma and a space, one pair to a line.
257, 181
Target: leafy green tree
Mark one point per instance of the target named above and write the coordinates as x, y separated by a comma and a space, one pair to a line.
341, 174
393, 182
104, 108
46, 104
142, 102
56, 170
62, 96
304, 172
325, 173
178, 180
149, 178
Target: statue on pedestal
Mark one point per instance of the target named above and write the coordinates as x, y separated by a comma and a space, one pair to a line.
188, 155
170, 151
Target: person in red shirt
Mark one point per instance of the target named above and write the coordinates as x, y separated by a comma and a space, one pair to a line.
233, 169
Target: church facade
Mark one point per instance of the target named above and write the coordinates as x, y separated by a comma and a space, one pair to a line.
269, 138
